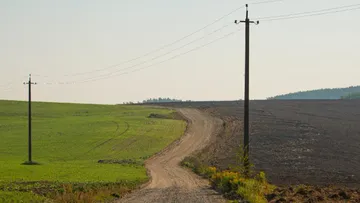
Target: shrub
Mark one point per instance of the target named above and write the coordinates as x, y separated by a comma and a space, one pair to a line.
255, 190
209, 172
193, 163
251, 189
237, 183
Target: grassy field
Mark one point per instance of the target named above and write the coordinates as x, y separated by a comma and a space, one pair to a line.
69, 140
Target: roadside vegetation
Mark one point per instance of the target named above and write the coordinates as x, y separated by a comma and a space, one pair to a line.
235, 183
86, 153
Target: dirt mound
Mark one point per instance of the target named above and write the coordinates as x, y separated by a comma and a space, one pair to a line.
122, 162
174, 115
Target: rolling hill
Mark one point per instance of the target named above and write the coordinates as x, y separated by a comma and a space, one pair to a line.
328, 93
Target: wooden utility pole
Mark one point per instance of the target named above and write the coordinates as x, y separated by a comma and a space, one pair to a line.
29, 139
246, 99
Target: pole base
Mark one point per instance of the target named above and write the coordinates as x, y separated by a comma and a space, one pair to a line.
30, 163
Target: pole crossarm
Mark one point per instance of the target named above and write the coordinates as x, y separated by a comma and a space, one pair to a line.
29, 82
247, 18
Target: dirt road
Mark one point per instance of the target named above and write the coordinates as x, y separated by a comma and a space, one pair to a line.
172, 183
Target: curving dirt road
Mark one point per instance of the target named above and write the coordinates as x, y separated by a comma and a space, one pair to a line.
172, 183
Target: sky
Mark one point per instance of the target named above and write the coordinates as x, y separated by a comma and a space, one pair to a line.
79, 51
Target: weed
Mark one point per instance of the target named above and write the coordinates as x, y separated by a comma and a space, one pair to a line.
240, 163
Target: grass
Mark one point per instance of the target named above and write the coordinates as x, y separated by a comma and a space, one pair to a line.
20, 197
74, 142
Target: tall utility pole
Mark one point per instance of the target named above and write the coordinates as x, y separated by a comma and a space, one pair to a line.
246, 99
29, 139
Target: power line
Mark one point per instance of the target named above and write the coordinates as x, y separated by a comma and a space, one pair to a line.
154, 58
308, 12
7, 90
158, 49
176, 56
9, 85
6, 85
265, 2
317, 14
312, 13
270, 18
135, 70
159, 56
167, 45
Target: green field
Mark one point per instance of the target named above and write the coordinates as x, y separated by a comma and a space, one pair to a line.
70, 139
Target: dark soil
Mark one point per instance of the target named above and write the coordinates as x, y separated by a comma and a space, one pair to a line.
314, 194
295, 142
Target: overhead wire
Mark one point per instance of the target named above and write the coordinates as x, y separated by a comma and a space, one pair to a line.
265, 2
268, 18
311, 13
6, 85
6, 90
151, 65
174, 57
166, 45
158, 49
9, 85
162, 55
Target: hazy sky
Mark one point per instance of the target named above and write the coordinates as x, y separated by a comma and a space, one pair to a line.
51, 39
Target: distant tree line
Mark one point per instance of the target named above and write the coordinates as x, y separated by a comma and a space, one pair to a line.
162, 100
352, 96
158, 100
328, 93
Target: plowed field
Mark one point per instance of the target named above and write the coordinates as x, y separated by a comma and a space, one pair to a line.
294, 142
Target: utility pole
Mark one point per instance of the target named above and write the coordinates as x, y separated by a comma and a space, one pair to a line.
246, 99
29, 139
